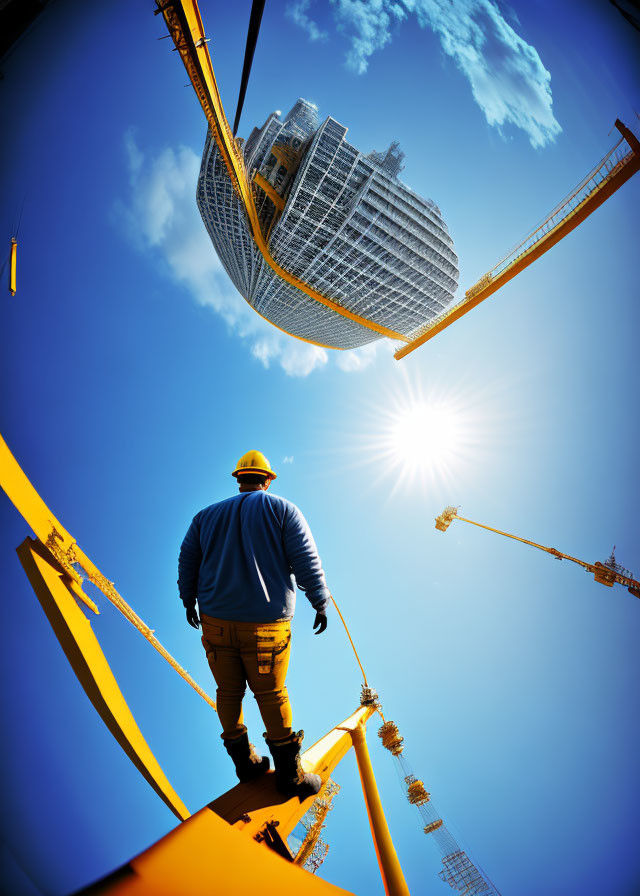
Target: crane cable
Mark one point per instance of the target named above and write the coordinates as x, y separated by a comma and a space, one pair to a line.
73, 557
108, 589
257, 9
378, 707
353, 646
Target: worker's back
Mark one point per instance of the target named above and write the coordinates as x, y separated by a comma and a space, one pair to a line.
239, 555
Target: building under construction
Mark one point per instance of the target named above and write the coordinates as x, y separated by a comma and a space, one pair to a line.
338, 220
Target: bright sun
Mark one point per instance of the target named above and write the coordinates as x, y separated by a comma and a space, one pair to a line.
426, 435
422, 435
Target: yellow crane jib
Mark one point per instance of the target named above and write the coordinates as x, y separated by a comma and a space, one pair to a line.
608, 573
221, 848
620, 163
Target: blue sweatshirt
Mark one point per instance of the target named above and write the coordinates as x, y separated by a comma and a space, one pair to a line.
239, 559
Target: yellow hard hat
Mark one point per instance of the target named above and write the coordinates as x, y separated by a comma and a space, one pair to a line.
253, 462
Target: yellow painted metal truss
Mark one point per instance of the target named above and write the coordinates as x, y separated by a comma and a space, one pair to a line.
313, 850
601, 183
70, 555
50, 581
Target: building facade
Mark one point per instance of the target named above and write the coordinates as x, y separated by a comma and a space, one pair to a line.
340, 221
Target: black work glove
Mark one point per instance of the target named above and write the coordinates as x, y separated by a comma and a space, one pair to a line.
192, 617
320, 620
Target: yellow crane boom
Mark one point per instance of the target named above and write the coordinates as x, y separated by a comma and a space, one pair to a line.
608, 573
602, 182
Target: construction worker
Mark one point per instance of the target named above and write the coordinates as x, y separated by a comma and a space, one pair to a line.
237, 562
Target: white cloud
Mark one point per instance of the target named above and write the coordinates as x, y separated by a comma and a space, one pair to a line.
358, 359
507, 77
288, 459
371, 22
161, 215
298, 13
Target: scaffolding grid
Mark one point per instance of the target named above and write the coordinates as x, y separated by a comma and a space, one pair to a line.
349, 228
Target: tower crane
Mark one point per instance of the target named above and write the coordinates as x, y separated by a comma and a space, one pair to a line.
607, 573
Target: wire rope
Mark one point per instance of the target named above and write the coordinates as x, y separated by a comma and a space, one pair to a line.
255, 19
353, 646
74, 557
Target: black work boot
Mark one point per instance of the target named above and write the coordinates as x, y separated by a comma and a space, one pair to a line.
291, 779
249, 765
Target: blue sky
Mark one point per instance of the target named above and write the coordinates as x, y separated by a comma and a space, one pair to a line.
134, 377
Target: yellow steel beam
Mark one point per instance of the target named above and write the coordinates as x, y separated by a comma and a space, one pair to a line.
185, 26
216, 849
541, 547
392, 876
488, 285
73, 630
252, 806
264, 184
12, 266
28, 502
206, 856
52, 533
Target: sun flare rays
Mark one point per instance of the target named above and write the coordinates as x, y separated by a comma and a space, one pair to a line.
423, 437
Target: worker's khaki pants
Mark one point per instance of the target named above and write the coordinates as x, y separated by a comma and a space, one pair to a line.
257, 653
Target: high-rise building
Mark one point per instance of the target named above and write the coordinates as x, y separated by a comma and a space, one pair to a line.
338, 220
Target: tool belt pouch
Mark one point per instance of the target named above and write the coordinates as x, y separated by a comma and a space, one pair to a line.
268, 647
265, 661
265, 649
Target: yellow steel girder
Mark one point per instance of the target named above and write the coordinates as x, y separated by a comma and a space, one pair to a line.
63, 546
215, 850
205, 856
274, 196
73, 630
253, 806
488, 284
